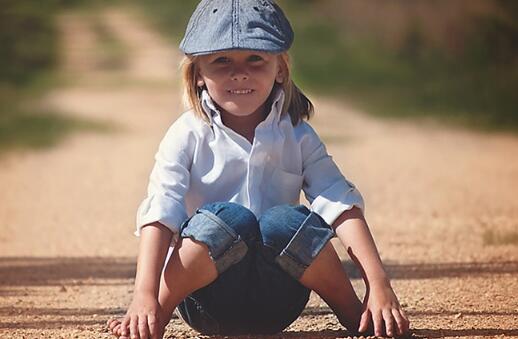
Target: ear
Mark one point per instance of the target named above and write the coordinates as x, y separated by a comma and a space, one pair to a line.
279, 78
200, 83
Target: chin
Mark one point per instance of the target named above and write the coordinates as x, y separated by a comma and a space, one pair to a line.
239, 111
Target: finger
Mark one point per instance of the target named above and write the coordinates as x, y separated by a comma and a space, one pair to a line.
134, 327
364, 321
400, 321
117, 322
142, 327
389, 322
152, 321
378, 323
117, 330
124, 326
112, 323
407, 321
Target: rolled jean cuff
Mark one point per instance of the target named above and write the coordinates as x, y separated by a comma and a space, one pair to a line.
311, 237
226, 247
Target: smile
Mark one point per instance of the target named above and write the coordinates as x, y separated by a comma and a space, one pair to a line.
241, 91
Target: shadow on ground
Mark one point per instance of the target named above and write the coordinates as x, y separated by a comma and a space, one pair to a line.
29, 271
57, 271
91, 271
440, 270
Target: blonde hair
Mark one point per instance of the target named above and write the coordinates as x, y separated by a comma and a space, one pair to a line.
296, 104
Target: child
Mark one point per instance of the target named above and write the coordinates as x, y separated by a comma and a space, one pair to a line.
224, 193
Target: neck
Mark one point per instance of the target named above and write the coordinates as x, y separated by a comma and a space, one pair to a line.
244, 125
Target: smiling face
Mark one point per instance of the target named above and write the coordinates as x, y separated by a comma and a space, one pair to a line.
239, 81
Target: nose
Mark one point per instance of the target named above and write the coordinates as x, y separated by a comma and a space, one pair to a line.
239, 73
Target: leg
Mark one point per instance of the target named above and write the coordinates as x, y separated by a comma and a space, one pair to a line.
328, 279
190, 268
211, 244
301, 242
226, 230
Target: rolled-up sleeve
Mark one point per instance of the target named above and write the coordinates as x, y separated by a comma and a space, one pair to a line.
169, 181
326, 189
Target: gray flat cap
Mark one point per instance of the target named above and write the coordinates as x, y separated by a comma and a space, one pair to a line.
219, 25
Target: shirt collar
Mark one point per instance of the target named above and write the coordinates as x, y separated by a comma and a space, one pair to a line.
212, 112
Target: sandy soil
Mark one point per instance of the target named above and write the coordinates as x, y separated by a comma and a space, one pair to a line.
67, 253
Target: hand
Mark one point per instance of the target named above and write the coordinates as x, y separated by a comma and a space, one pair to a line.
382, 306
142, 318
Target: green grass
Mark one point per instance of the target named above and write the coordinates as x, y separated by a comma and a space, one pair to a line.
38, 129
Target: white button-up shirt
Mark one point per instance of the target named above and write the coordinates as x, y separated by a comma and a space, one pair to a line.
199, 162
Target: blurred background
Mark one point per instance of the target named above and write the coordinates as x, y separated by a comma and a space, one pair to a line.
451, 60
456, 60
416, 101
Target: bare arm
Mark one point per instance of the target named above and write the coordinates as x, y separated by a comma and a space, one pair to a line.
155, 239
142, 316
380, 302
352, 230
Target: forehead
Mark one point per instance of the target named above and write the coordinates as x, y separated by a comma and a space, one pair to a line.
236, 53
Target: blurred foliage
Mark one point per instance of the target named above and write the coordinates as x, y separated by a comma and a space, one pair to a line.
27, 41
29, 48
474, 84
110, 51
28, 38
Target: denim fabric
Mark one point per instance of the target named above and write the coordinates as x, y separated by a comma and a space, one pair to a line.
218, 25
225, 243
257, 290
296, 234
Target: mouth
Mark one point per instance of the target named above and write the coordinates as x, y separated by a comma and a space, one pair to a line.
240, 91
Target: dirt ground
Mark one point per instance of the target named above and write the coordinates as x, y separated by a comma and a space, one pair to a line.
441, 203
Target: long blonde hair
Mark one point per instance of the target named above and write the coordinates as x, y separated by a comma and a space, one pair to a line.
296, 104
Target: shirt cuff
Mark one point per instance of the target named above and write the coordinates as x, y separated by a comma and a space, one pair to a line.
340, 197
159, 208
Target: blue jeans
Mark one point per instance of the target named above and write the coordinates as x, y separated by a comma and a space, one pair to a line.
258, 262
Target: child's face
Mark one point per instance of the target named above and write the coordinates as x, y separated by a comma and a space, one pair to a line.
239, 81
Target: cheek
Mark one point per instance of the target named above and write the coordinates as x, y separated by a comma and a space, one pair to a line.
268, 75
217, 92
214, 78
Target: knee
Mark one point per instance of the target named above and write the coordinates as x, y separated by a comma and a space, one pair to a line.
239, 218
227, 229
279, 224
293, 236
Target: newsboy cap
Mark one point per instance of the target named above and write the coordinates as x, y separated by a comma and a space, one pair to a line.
219, 25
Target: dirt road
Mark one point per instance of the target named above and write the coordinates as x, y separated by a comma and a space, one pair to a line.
441, 203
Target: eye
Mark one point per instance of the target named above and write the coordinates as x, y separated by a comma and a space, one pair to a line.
255, 58
221, 60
